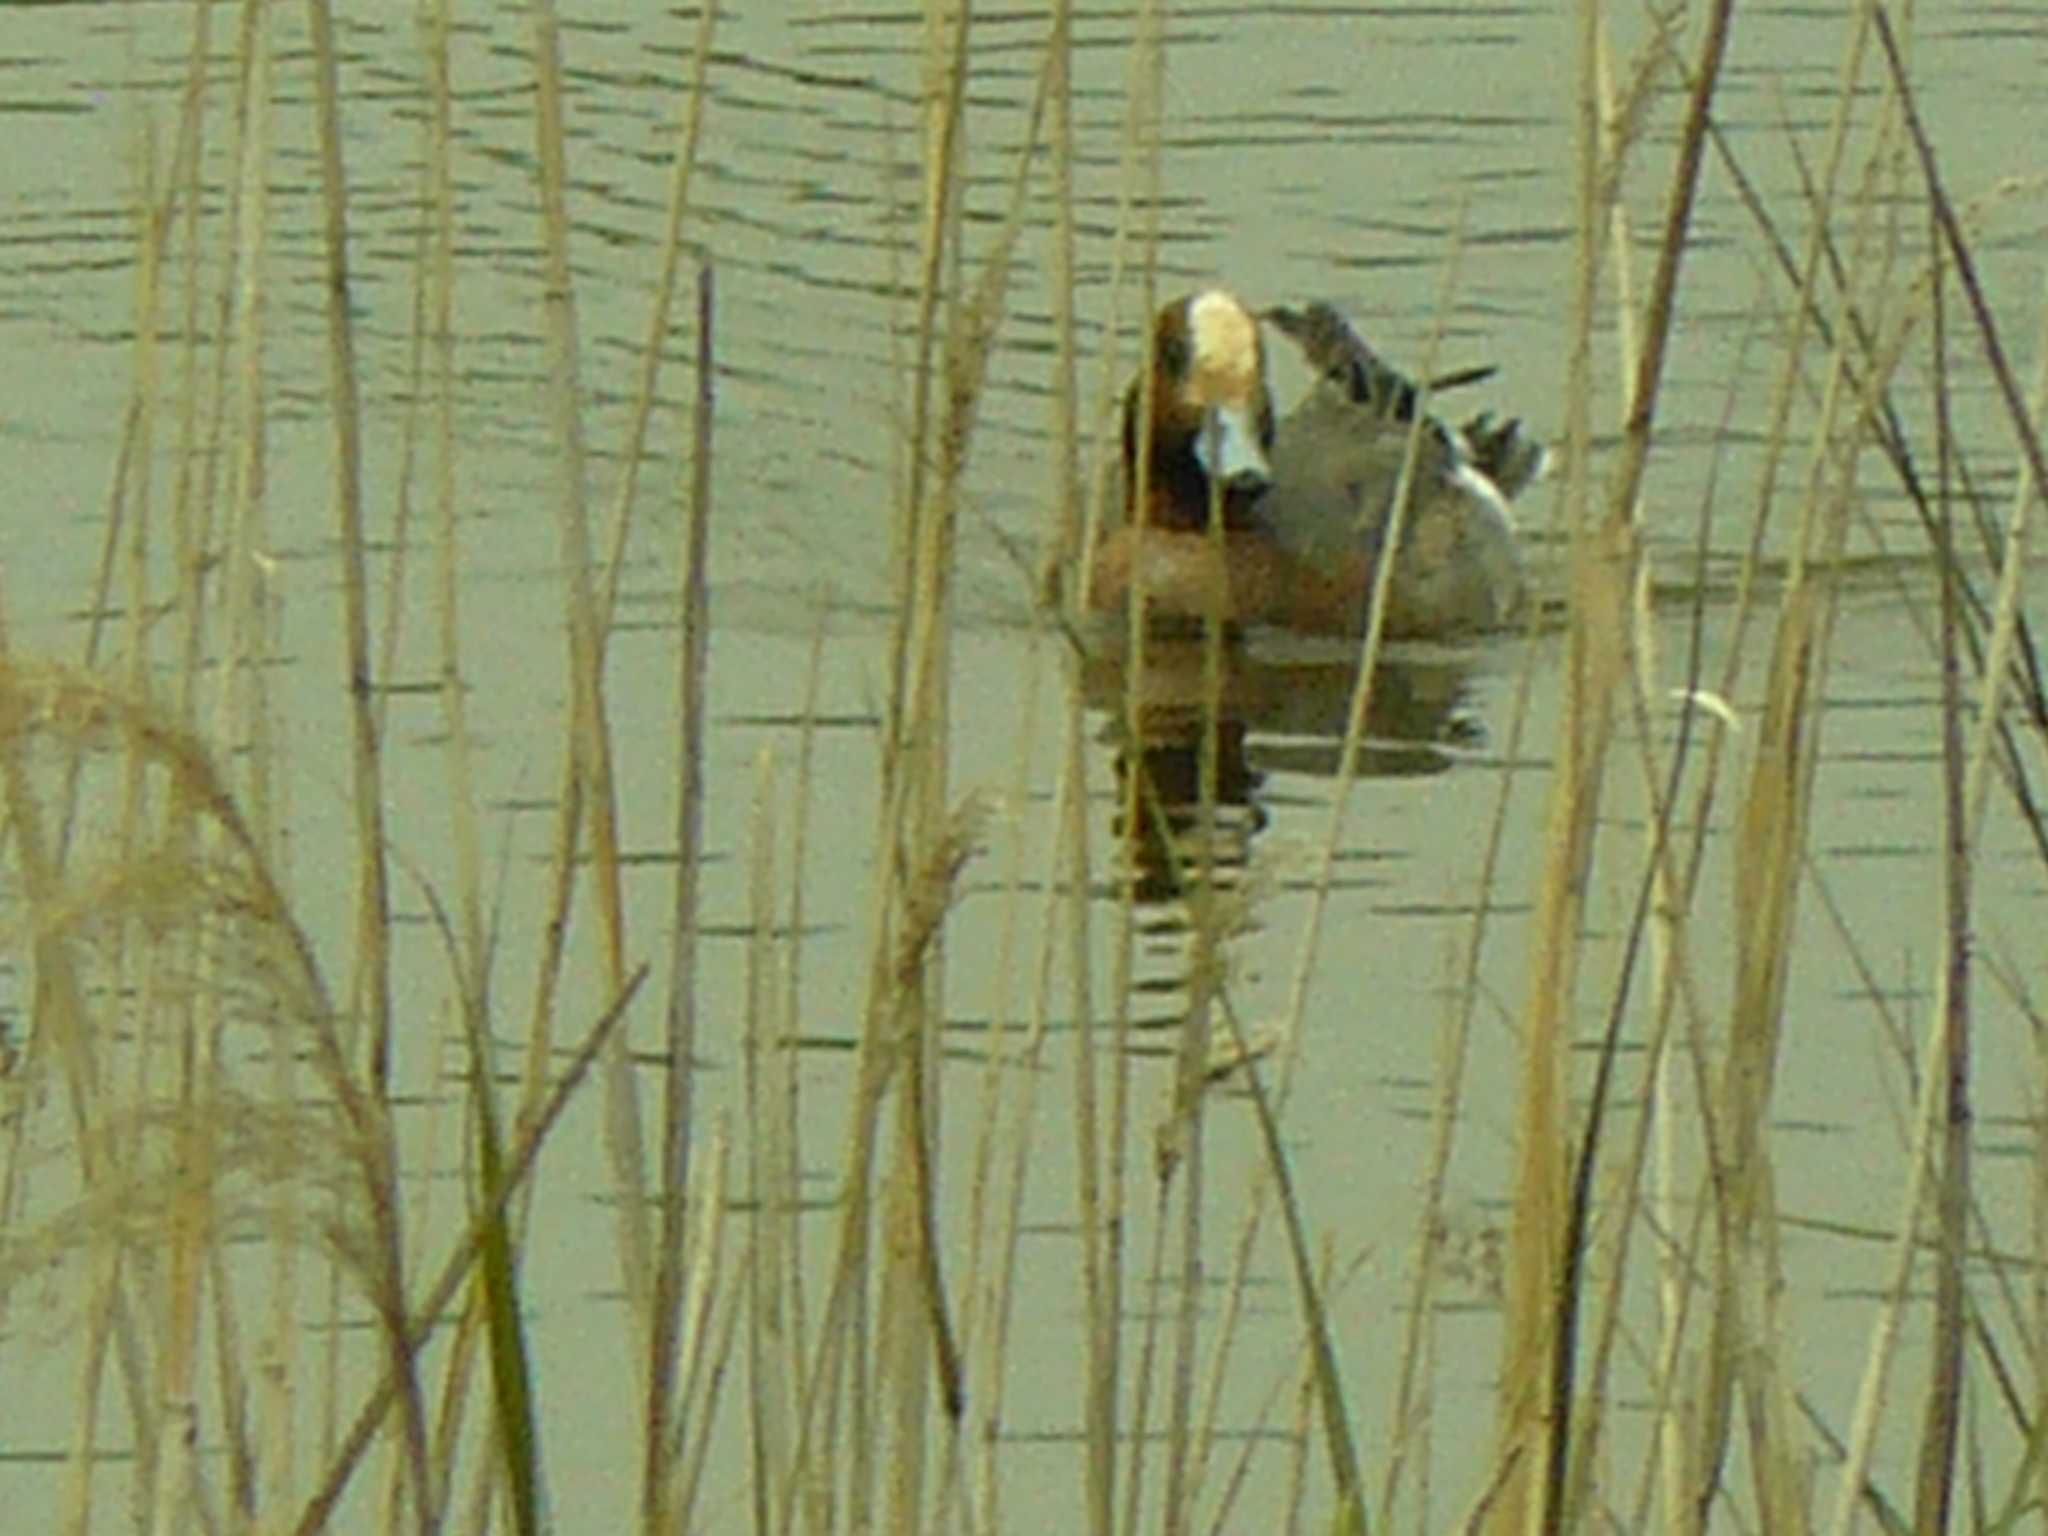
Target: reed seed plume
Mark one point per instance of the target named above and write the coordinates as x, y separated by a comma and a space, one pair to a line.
186, 884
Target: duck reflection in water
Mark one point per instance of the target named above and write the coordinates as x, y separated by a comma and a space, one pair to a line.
1271, 716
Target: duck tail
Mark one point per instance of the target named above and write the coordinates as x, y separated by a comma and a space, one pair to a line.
1504, 453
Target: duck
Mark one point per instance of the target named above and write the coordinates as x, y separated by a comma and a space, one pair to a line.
1303, 500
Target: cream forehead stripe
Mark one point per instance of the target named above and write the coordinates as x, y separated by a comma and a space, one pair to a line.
1225, 345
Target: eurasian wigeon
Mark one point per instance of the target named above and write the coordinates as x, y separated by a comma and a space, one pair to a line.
1303, 506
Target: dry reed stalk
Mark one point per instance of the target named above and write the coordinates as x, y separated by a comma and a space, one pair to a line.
986, 1288
278, 1352
181, 1025
510, 1470
1530, 1437
839, 1350
524, 1153
1663, 910
249, 648
1067, 863
689, 130
1963, 787
161, 1053
1179, 1139
63, 1028
1064, 521
2028, 1322
2000, 1265
999, 1165
916, 1342
489, 1473
246, 586
1660, 914
165, 1045
1549, 1230
1139, 1428
165, 1051
371, 988
1300, 1439
588, 742
790, 1025
2033, 478
1100, 1306
490, 1313
191, 501
773, 1353
2030, 1478
219, 878
704, 1366
151, 237
1298, 1463
1408, 1418
912, 791
1236, 1288
1885, 423
128, 490
514, 1432
891, 1039
1180, 1143
1691, 1456
919, 1325
1674, 974
1332, 1409
1102, 1134
1934, 1481
472, 948
1856, 1455
974, 336
1771, 827
240, 313
399, 555
1101, 1154
1770, 836
457, 1392
678, 1098
103, 607
995, 1309
921, 838
1339, 1439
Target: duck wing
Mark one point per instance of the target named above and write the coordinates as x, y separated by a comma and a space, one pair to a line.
1337, 461
1344, 360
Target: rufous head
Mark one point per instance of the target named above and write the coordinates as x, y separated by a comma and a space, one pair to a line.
1211, 412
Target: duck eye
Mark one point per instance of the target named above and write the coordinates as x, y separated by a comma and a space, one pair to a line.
1173, 354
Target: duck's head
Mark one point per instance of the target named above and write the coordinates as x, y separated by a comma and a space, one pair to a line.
1211, 423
